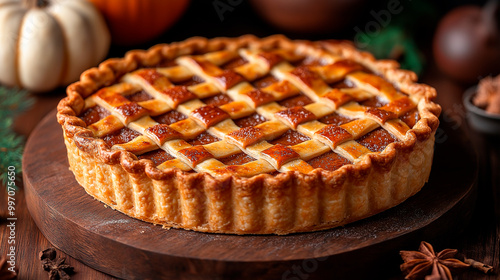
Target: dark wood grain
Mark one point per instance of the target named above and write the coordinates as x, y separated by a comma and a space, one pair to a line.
30, 241
114, 243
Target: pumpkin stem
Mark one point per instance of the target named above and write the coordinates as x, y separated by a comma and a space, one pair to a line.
30, 4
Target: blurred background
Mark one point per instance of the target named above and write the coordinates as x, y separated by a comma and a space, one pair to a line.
451, 45
404, 30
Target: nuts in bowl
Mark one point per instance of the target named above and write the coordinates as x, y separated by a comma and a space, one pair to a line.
483, 105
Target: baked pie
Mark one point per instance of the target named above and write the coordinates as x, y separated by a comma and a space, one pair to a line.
249, 135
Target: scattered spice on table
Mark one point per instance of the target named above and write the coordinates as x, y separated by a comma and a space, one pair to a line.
57, 268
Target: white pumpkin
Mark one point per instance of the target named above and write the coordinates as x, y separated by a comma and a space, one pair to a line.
43, 47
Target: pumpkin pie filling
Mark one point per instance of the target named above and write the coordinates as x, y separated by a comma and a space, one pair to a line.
221, 119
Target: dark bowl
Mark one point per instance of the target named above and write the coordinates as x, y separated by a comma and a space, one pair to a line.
311, 16
478, 118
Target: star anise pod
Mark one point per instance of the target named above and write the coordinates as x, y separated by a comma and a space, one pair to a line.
57, 268
5, 273
426, 263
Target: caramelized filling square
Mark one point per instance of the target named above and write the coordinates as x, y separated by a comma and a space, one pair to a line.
410, 118
328, 161
196, 154
228, 79
271, 58
307, 76
265, 81
335, 119
237, 159
94, 114
377, 140
209, 115
158, 156
259, 97
162, 133
166, 63
295, 116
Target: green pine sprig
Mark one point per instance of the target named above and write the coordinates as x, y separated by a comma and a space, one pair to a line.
12, 102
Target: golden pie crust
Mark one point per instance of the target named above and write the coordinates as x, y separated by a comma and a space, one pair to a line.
294, 198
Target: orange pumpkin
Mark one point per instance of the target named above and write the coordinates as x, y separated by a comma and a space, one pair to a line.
137, 21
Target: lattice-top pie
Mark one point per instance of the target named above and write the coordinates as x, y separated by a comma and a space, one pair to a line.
250, 135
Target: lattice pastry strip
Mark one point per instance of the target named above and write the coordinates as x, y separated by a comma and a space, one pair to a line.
338, 138
259, 63
174, 163
139, 145
175, 74
106, 126
375, 84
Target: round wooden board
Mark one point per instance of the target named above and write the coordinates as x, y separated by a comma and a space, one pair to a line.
114, 243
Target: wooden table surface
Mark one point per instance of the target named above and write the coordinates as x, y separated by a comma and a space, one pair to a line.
479, 239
